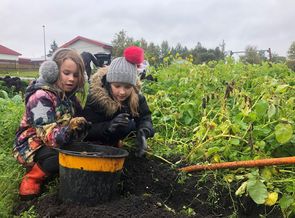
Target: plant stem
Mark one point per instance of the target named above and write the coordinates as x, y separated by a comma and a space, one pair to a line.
268, 136
173, 131
161, 158
283, 180
211, 139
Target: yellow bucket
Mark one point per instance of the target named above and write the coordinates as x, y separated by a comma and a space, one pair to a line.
89, 173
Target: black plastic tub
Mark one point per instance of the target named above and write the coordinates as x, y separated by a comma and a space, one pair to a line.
89, 173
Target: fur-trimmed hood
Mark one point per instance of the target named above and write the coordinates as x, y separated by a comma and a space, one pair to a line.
100, 95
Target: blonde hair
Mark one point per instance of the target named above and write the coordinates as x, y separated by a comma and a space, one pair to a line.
63, 54
134, 102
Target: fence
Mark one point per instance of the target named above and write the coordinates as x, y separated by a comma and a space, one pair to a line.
16, 66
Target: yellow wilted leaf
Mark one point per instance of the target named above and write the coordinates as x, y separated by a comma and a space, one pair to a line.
266, 173
229, 178
242, 189
216, 158
271, 199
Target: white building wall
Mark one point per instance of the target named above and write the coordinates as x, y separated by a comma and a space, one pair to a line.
81, 46
8, 57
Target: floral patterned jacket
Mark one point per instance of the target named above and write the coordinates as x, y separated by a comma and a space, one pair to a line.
45, 121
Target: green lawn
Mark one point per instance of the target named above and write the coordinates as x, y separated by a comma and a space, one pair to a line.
32, 74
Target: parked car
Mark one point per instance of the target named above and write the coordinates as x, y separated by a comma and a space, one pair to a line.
103, 59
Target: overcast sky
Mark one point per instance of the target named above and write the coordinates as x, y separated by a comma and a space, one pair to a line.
261, 23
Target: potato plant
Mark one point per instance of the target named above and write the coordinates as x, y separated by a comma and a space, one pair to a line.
228, 111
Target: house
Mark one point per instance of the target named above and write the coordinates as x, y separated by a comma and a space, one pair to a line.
10, 60
81, 44
7, 54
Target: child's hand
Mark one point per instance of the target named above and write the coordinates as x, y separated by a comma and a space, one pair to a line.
79, 127
120, 121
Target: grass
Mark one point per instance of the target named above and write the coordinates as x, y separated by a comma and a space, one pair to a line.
31, 74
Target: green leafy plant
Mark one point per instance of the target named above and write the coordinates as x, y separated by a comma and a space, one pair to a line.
11, 110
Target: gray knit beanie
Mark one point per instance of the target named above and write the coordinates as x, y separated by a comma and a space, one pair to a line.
122, 71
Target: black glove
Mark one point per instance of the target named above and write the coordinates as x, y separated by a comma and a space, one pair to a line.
141, 142
78, 128
120, 121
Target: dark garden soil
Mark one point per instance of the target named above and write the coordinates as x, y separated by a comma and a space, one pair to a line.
150, 188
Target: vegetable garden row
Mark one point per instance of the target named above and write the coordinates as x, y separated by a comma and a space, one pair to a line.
203, 114
221, 112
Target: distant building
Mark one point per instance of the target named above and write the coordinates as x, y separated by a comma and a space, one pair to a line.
8, 54
10, 60
81, 44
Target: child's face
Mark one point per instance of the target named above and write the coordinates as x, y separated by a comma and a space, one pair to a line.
69, 76
121, 91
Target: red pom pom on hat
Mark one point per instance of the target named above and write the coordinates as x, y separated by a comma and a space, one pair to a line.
134, 54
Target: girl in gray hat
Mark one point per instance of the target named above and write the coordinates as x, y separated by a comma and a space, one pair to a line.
115, 106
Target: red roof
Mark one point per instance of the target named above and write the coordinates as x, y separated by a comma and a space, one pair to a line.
86, 40
8, 51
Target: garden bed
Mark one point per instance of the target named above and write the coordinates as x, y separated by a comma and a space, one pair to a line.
151, 188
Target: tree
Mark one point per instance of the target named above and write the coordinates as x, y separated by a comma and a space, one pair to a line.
291, 57
278, 59
164, 49
156, 54
153, 54
53, 48
291, 51
222, 47
120, 42
252, 56
181, 51
143, 43
202, 55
